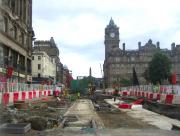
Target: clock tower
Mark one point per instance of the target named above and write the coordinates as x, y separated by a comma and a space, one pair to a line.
111, 37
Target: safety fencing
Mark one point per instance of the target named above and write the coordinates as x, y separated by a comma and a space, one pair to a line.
164, 94
13, 92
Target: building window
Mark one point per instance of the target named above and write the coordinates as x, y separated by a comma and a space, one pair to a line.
1, 55
12, 5
22, 36
39, 57
16, 7
29, 70
22, 62
24, 6
32, 57
39, 75
21, 8
132, 58
15, 32
5, 25
39, 66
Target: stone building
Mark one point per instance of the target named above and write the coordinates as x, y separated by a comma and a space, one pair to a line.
43, 68
67, 76
16, 35
49, 46
119, 63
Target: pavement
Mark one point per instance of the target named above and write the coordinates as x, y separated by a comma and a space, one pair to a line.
152, 118
84, 110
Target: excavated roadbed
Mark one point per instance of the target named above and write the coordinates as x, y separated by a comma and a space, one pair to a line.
114, 118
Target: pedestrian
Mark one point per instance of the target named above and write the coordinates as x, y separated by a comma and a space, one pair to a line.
115, 94
78, 94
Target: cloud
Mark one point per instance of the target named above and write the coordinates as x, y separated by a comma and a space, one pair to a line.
76, 31
78, 26
81, 64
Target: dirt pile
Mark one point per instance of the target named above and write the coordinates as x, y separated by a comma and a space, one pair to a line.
42, 114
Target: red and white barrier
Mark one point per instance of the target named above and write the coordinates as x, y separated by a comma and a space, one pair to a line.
12, 97
158, 96
124, 93
176, 99
138, 93
169, 98
143, 94
125, 106
23, 96
131, 93
34, 94
49, 92
5, 98
164, 98
40, 93
30, 95
15, 97
150, 95
56, 93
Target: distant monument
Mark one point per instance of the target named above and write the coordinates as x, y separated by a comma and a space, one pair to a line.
90, 72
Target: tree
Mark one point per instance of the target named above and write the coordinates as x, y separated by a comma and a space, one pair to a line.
135, 79
125, 82
146, 74
159, 68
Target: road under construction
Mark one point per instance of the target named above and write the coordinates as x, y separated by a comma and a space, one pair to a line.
93, 115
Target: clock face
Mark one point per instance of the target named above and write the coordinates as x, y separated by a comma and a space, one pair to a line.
112, 35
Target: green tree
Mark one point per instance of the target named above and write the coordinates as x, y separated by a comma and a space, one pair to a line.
146, 74
159, 68
125, 82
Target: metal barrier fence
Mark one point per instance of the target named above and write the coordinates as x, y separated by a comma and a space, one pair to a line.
16, 87
12, 92
165, 89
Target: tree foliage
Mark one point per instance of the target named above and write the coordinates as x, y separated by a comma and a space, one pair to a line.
146, 74
159, 68
125, 82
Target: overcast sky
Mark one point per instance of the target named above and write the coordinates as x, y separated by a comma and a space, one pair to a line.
78, 27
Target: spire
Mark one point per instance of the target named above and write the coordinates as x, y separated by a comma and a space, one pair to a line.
90, 72
150, 41
111, 22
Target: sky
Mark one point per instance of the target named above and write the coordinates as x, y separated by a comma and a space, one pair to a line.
78, 27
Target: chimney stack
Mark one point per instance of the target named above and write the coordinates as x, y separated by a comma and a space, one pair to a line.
124, 48
172, 46
139, 45
158, 45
